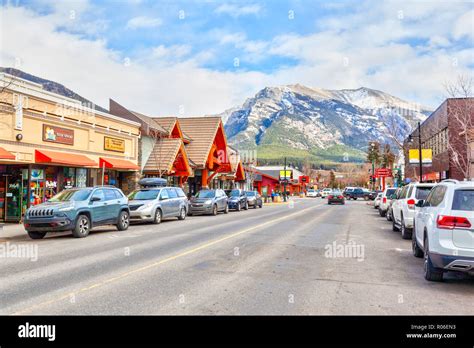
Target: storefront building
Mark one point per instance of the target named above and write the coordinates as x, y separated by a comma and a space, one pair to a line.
235, 178
49, 142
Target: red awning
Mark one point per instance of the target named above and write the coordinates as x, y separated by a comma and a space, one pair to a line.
63, 158
118, 164
4, 154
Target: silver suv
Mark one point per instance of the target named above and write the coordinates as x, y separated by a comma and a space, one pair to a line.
154, 204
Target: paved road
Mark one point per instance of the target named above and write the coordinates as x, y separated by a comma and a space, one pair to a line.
266, 261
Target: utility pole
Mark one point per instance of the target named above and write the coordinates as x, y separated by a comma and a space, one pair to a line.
284, 182
419, 152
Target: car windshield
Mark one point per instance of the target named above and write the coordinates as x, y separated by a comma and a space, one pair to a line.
463, 200
349, 190
310, 190
422, 192
143, 195
336, 192
390, 192
71, 195
205, 194
250, 194
235, 193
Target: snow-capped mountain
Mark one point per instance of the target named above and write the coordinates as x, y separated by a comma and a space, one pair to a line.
313, 119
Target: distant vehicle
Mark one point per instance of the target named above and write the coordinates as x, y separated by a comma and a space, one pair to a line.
444, 229
356, 193
311, 193
336, 197
377, 201
156, 203
403, 209
386, 198
325, 192
373, 194
392, 199
238, 200
78, 210
254, 199
347, 190
209, 202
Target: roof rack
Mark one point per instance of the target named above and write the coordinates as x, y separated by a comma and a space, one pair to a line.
454, 181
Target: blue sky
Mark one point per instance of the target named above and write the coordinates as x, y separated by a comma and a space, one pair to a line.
202, 57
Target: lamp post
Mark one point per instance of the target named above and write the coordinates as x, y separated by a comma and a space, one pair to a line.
420, 159
373, 167
284, 182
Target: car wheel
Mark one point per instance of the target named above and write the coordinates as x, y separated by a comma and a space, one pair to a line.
124, 220
82, 228
406, 233
238, 207
158, 216
394, 226
381, 212
417, 251
246, 206
214, 210
36, 235
261, 205
226, 210
255, 205
182, 214
388, 216
431, 273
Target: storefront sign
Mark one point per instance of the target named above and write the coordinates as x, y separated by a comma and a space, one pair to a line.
286, 175
114, 144
58, 135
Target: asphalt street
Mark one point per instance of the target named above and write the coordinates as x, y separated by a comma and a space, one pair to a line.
282, 259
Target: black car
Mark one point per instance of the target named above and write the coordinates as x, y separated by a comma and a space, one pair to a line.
373, 194
254, 199
357, 193
238, 200
336, 197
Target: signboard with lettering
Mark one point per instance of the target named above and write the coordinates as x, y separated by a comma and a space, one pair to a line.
114, 144
58, 135
383, 173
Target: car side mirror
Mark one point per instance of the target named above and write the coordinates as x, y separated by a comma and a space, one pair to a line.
95, 199
420, 203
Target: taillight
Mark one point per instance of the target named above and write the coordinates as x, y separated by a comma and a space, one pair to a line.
330, 197
385, 199
340, 197
451, 222
411, 204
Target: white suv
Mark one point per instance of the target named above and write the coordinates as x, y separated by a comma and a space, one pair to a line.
403, 209
311, 193
444, 229
385, 200
326, 192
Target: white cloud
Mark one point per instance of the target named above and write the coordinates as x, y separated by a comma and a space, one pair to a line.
143, 22
234, 10
464, 26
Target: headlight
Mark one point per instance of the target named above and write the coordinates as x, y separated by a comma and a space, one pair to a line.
209, 201
146, 206
66, 208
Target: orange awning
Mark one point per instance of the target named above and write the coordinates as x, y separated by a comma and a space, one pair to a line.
118, 164
63, 158
4, 154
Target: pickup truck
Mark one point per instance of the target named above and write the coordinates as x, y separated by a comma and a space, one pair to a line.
357, 193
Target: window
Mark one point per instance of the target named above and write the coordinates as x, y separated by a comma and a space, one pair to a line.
403, 194
422, 192
172, 193
463, 200
99, 194
164, 194
144, 195
410, 191
180, 192
437, 196
110, 195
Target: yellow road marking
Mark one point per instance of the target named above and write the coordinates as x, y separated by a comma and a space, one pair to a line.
158, 263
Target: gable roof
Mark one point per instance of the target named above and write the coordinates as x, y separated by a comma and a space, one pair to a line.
163, 155
168, 123
202, 131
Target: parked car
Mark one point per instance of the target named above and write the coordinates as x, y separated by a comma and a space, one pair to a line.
78, 210
377, 201
209, 202
444, 229
254, 199
157, 203
346, 191
336, 197
403, 209
392, 199
325, 192
385, 201
373, 194
238, 200
356, 193
311, 193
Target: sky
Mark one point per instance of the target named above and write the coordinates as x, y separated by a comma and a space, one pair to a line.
203, 57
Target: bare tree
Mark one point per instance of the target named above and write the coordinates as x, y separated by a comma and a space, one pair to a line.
461, 112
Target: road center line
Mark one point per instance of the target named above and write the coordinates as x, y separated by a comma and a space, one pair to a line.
166, 260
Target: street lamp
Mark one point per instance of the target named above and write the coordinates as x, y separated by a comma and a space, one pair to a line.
420, 160
373, 166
